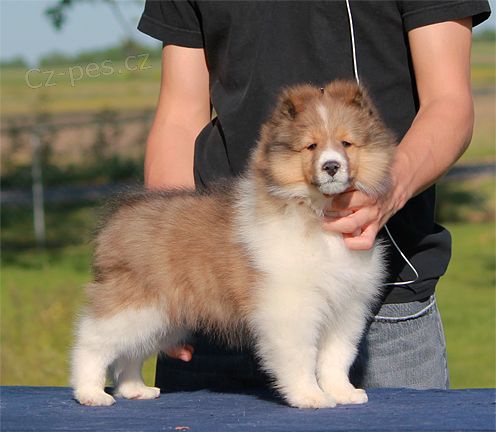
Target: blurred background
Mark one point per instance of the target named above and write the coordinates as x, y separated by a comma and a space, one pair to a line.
78, 86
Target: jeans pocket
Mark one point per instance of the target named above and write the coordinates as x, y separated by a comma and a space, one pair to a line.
399, 312
404, 347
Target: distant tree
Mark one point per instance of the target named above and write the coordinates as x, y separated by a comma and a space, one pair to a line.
115, 53
118, 52
14, 62
55, 59
59, 11
485, 36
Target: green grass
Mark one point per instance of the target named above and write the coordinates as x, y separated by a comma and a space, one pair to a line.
470, 200
467, 302
63, 92
483, 64
483, 145
41, 292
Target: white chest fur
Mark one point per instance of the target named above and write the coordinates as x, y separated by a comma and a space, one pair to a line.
292, 249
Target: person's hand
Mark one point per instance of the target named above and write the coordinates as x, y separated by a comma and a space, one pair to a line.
183, 352
359, 217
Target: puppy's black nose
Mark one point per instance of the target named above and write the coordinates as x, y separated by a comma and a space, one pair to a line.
331, 167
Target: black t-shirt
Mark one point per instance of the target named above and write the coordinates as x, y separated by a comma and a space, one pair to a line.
254, 48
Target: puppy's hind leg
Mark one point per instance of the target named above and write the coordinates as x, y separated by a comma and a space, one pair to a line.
89, 363
129, 381
127, 369
131, 334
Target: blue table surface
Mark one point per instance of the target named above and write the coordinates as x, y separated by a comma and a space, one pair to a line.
53, 409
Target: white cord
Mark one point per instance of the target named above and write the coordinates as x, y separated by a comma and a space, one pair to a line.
407, 317
353, 45
357, 78
406, 260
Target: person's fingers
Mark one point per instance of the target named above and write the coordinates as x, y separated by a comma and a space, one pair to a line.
184, 352
352, 223
364, 241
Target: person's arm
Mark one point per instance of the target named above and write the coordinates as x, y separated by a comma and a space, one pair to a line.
183, 110
439, 135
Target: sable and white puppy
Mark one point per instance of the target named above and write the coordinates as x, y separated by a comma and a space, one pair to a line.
248, 259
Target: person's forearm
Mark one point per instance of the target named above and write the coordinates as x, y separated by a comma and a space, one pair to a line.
437, 138
442, 128
169, 157
183, 111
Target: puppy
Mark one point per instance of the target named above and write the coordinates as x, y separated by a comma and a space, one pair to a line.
246, 260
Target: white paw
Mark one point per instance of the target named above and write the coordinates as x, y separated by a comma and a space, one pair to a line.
311, 399
136, 391
93, 397
349, 396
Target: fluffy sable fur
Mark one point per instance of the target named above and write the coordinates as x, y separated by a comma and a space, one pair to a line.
249, 259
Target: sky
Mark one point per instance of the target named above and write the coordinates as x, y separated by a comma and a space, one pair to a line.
25, 30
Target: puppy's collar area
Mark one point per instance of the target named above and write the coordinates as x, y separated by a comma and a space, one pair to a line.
372, 191
317, 203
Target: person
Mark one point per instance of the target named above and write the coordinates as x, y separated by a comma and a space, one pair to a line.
414, 59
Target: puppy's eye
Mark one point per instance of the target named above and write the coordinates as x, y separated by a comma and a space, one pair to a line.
345, 144
312, 146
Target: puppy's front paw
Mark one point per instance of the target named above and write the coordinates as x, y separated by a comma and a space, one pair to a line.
311, 399
136, 391
93, 397
349, 395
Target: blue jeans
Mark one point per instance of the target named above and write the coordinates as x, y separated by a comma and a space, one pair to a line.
404, 346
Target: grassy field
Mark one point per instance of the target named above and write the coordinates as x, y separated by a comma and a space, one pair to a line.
466, 300
483, 144
70, 89
483, 62
42, 292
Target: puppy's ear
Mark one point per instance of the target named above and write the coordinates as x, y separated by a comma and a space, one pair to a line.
350, 93
288, 108
293, 100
